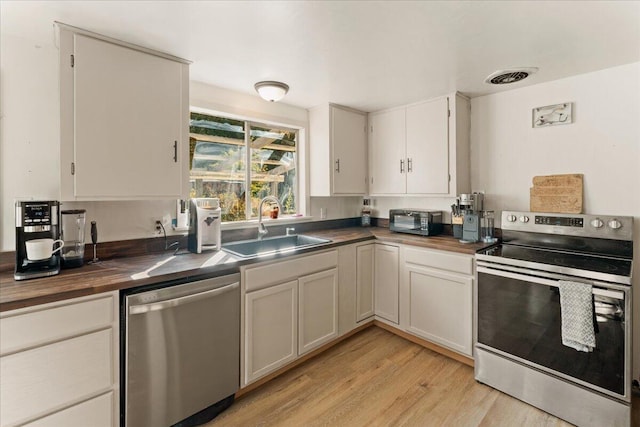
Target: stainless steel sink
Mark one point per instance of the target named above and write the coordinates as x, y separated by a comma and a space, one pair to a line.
271, 245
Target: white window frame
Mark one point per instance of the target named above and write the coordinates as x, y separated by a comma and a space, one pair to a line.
302, 198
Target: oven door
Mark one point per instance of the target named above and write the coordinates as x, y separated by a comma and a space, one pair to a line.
519, 318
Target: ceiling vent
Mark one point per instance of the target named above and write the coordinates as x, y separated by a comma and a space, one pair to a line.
513, 75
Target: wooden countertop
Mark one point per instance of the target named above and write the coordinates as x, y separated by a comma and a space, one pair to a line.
130, 272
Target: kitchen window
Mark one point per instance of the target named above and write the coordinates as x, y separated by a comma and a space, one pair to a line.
220, 148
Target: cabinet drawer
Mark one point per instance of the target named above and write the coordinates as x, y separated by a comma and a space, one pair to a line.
278, 272
44, 325
41, 380
96, 412
440, 260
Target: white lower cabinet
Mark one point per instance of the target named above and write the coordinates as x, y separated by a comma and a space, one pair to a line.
96, 412
364, 282
386, 282
317, 310
59, 363
355, 283
294, 306
440, 307
436, 298
271, 329
290, 308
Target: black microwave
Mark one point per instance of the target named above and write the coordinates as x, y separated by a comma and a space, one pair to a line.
415, 221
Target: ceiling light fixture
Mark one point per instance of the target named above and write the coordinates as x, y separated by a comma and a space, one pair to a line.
271, 91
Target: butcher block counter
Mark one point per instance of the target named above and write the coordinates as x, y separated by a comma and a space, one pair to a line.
129, 272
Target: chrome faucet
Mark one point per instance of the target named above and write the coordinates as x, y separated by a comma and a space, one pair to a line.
262, 230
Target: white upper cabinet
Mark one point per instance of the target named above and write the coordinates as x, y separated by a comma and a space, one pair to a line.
124, 121
428, 147
337, 151
387, 152
421, 148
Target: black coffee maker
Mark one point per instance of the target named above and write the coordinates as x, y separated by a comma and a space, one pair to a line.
36, 220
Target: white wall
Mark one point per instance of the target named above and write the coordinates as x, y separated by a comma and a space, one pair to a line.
29, 126
603, 143
30, 137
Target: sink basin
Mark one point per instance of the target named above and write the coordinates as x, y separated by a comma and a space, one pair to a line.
271, 245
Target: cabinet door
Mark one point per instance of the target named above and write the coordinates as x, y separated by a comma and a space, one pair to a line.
386, 278
346, 289
271, 329
440, 307
317, 309
428, 147
364, 282
349, 144
96, 412
41, 380
127, 123
387, 152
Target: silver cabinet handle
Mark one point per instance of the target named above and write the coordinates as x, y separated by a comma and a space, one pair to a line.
409, 164
338, 165
401, 165
161, 305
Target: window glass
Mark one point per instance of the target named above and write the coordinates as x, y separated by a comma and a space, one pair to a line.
218, 154
273, 167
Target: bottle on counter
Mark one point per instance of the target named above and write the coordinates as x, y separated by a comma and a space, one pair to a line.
274, 212
366, 213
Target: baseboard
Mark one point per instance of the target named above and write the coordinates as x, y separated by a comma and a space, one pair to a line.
426, 344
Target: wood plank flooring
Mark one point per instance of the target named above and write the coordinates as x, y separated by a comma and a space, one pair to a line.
376, 378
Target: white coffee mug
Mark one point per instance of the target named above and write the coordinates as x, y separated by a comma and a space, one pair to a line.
40, 249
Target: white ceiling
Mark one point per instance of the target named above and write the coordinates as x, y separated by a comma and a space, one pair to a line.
366, 55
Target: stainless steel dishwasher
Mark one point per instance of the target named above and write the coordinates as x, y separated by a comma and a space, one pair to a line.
182, 352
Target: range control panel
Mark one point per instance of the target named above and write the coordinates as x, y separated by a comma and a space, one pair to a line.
560, 221
603, 226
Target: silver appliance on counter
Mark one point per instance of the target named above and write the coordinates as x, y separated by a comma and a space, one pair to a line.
465, 217
181, 352
415, 221
518, 331
204, 225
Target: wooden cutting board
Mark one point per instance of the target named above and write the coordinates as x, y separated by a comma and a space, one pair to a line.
556, 193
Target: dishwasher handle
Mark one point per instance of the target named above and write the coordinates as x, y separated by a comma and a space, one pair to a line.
161, 305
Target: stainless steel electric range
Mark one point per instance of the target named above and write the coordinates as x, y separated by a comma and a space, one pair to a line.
518, 333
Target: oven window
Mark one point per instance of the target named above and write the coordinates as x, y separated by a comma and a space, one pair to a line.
523, 319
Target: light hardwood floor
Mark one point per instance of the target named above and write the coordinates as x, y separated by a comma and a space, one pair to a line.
376, 378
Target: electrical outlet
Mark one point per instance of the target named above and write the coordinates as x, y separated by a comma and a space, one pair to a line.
323, 213
158, 225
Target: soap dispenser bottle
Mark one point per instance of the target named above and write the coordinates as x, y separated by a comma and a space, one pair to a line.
366, 213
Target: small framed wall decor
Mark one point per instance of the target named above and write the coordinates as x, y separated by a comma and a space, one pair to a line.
551, 115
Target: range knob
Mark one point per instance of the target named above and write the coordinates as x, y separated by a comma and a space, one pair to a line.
524, 219
512, 218
597, 223
615, 224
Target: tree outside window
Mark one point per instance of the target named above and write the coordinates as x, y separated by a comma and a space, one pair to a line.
221, 148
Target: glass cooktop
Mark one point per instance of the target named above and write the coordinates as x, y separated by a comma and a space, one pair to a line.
565, 260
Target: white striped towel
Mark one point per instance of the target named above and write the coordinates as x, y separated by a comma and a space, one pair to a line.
576, 307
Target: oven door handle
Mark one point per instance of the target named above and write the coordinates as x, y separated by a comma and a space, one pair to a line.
596, 291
